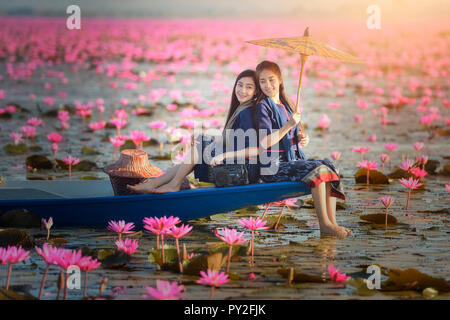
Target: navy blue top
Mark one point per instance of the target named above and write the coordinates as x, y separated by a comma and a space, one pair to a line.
266, 121
243, 121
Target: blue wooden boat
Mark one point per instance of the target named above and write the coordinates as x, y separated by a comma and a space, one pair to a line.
92, 203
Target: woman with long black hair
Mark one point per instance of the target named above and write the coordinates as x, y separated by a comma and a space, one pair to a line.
239, 116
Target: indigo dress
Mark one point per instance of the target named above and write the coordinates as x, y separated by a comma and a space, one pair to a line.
243, 121
309, 171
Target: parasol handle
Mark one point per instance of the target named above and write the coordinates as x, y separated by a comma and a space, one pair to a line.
303, 60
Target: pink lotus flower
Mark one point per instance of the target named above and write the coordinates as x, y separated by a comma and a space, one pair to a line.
29, 131
383, 158
324, 122
422, 161
337, 276
160, 227
166, 290
124, 102
35, 122
361, 150
362, 104
128, 246
119, 123
407, 165
411, 184
418, 146
47, 224
387, 201
120, 227
172, 107
54, 137
419, 173
358, 118
87, 264
231, 237
214, 279
63, 115
67, 259
157, 125
71, 161
51, 256
335, 155
368, 165
447, 187
12, 255
390, 146
121, 114
333, 105
253, 225
97, 125
179, 232
138, 138
17, 137
372, 138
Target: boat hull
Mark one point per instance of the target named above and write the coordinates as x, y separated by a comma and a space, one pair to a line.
186, 204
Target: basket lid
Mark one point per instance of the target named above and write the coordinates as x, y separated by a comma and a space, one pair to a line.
133, 163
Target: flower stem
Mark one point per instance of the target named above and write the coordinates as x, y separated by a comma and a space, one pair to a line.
162, 247
267, 207
279, 217
385, 222
157, 242
65, 285
229, 258
85, 283
211, 296
253, 245
179, 256
407, 201
9, 276
43, 281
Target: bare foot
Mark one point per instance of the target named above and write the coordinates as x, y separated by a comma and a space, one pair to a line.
333, 230
146, 187
344, 228
169, 187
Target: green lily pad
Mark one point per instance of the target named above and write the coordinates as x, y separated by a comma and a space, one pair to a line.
12, 295
16, 237
21, 148
238, 250
445, 171
113, 259
361, 286
89, 151
379, 218
412, 279
204, 262
90, 178
375, 177
39, 162
301, 277
85, 165
20, 218
170, 255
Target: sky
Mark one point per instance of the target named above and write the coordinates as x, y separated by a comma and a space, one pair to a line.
302, 9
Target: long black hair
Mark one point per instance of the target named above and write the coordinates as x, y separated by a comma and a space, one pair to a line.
234, 100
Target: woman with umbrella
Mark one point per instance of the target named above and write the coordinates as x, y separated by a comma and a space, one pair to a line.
278, 126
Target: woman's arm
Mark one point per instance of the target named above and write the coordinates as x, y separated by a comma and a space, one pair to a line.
278, 134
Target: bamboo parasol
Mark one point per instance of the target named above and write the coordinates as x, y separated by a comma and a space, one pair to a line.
306, 46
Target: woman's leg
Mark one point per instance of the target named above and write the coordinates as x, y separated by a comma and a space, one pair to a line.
331, 207
150, 185
184, 169
320, 205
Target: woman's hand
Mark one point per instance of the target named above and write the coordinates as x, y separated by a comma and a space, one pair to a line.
304, 141
217, 160
295, 119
